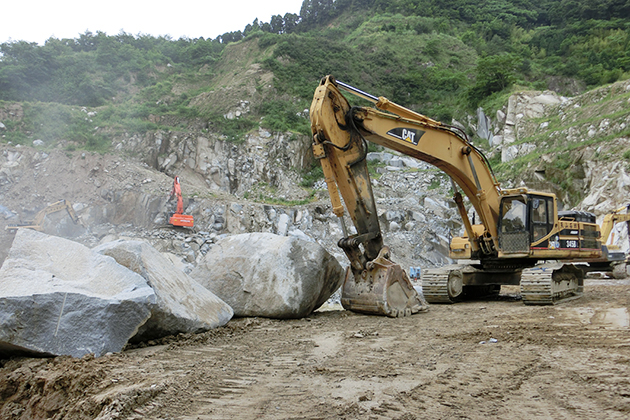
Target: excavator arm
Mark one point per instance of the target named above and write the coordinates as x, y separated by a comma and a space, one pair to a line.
38, 221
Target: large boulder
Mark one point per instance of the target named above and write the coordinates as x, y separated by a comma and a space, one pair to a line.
262, 274
58, 297
183, 305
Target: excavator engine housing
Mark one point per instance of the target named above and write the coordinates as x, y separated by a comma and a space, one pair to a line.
184, 220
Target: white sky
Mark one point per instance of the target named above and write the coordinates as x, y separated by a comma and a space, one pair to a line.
38, 20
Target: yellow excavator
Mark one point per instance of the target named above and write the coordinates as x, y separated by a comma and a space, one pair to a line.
613, 259
518, 228
611, 219
38, 221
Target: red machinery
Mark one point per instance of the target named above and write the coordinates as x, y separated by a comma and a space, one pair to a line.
178, 218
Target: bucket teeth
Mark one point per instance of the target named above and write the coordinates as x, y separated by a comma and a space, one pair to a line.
382, 289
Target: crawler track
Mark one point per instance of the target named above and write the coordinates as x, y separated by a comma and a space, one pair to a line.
435, 286
548, 285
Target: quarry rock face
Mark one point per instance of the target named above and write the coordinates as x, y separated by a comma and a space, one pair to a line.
262, 274
183, 305
264, 157
58, 297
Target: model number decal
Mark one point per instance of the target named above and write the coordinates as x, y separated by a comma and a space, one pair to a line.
572, 244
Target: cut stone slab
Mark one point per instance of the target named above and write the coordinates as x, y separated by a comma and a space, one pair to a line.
267, 275
58, 297
183, 305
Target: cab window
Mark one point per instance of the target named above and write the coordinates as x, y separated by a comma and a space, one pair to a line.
541, 220
514, 213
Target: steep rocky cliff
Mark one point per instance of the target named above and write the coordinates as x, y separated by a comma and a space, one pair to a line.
577, 147
566, 145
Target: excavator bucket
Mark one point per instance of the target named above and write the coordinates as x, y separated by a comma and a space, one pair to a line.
383, 289
181, 220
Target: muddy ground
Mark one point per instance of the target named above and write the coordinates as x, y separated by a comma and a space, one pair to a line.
473, 360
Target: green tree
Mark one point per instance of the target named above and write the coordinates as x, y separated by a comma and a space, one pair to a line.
493, 74
277, 24
291, 21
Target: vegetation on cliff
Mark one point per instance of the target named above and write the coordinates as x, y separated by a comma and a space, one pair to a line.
442, 58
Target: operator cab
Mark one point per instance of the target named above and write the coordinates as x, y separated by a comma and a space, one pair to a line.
525, 221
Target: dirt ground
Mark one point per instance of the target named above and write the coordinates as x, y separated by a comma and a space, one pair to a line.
473, 360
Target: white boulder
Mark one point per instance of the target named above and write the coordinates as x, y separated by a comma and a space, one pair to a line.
262, 274
58, 297
183, 305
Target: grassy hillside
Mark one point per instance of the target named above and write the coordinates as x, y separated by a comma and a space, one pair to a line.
584, 133
441, 58
427, 71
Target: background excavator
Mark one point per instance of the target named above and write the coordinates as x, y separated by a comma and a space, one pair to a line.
38, 221
614, 259
519, 228
179, 218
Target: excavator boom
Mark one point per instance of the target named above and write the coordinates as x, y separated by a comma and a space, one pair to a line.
611, 219
615, 259
340, 133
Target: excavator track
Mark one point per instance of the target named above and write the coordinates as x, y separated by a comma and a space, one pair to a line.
548, 285
442, 285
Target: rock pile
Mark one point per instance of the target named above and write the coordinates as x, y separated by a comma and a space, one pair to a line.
182, 304
58, 297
